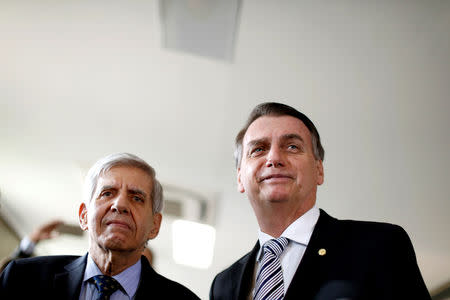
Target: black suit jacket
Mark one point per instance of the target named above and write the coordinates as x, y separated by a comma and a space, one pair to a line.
60, 277
363, 260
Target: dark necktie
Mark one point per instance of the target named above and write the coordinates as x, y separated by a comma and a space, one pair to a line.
106, 286
269, 281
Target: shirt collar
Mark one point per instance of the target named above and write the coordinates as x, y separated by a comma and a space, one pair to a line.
128, 279
299, 231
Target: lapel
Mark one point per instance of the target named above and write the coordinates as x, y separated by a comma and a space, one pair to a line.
67, 284
147, 276
241, 277
313, 267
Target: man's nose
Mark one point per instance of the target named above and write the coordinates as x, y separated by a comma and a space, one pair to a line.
275, 158
120, 204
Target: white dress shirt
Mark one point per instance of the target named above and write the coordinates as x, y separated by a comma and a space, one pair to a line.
27, 246
298, 234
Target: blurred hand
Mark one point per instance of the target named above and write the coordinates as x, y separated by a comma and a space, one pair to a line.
45, 231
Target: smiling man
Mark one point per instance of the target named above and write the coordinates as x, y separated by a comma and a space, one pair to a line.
302, 252
121, 211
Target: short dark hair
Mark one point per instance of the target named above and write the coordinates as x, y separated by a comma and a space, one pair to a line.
278, 109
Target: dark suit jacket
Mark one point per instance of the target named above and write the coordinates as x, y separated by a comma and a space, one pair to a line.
363, 260
60, 277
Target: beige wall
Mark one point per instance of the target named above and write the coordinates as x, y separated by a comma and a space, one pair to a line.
9, 240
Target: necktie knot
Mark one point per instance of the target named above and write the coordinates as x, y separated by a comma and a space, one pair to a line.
106, 285
275, 246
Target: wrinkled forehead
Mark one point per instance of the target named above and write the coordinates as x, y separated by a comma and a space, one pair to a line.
125, 176
276, 127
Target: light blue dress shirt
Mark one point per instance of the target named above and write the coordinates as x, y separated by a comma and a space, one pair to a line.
128, 279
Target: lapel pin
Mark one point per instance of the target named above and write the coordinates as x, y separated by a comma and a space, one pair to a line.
322, 252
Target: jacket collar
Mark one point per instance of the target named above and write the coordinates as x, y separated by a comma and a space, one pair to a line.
305, 281
67, 285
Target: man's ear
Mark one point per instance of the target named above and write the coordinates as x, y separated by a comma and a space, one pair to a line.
157, 217
82, 216
241, 188
320, 173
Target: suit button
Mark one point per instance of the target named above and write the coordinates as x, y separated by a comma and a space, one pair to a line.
322, 252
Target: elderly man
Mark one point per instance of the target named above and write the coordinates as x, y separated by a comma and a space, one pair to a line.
121, 211
302, 252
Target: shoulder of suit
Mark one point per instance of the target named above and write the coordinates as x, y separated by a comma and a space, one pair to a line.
162, 285
47, 259
43, 264
354, 230
40, 268
237, 266
370, 226
358, 224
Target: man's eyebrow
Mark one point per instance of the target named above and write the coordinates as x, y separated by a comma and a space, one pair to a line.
256, 142
131, 190
293, 136
106, 187
137, 191
101, 189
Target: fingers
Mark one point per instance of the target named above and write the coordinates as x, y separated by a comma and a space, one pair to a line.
46, 231
50, 226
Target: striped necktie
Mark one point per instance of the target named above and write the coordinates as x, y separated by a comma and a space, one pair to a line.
269, 281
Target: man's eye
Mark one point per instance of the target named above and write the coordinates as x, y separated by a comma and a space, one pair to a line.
293, 147
106, 194
138, 199
256, 151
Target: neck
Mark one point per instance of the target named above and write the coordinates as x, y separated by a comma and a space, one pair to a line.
276, 217
113, 262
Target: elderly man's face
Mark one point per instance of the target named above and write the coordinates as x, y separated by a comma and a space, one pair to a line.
278, 164
120, 217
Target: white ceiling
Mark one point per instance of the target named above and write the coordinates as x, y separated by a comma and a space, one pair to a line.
82, 79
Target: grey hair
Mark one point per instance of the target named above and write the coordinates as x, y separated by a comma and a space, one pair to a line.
128, 160
278, 109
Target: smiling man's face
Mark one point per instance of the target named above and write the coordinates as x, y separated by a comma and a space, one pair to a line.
278, 165
119, 217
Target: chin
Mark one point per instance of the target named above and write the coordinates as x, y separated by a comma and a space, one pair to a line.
116, 243
277, 195
120, 248
277, 200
